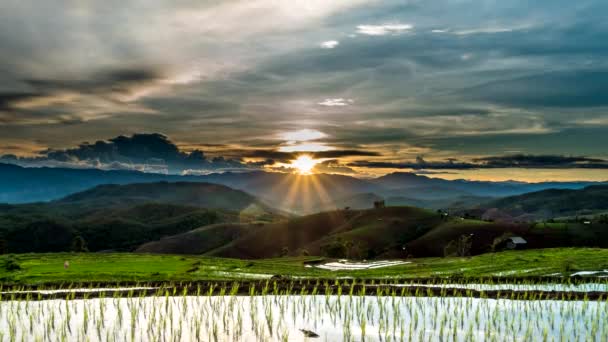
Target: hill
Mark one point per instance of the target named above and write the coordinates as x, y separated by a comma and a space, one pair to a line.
368, 234
202, 195
553, 203
122, 217
340, 233
356, 201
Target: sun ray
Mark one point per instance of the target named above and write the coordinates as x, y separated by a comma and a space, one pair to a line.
320, 191
304, 164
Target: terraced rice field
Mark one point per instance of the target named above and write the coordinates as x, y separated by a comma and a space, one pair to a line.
308, 310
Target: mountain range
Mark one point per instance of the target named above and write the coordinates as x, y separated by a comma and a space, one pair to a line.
289, 192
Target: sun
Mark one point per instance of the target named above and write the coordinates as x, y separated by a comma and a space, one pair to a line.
304, 164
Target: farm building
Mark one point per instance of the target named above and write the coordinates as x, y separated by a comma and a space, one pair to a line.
515, 242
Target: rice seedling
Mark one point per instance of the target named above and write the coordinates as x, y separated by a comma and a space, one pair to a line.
294, 310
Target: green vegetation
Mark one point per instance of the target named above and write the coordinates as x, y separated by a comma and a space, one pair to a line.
357, 233
547, 204
107, 228
122, 217
95, 267
391, 232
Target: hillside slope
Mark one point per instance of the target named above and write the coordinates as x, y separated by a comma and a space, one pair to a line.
341, 233
367, 234
554, 202
122, 217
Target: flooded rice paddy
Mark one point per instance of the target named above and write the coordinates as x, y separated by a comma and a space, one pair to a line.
270, 314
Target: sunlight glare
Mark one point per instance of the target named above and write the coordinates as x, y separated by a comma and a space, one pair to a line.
304, 164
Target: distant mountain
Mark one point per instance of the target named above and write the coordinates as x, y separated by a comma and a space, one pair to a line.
24, 185
291, 192
202, 195
553, 203
287, 191
422, 187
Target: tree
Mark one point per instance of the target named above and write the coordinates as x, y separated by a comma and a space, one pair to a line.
459, 247
499, 240
79, 245
349, 248
335, 249
465, 242
450, 249
3, 246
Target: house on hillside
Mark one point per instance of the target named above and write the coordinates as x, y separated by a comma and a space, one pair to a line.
379, 204
515, 242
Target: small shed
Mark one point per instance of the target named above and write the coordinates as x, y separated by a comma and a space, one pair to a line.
515, 242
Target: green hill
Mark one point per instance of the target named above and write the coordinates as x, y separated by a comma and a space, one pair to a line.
367, 234
555, 202
342, 233
122, 217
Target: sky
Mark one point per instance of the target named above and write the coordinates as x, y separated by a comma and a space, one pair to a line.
479, 89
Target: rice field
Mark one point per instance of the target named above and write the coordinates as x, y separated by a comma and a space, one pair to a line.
298, 310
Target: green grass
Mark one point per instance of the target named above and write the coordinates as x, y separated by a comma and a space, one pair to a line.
48, 268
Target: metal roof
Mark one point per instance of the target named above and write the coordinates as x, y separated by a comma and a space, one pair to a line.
517, 240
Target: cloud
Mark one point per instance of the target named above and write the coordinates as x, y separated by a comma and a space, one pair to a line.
416, 165
344, 153
481, 30
561, 89
71, 100
333, 166
381, 30
502, 76
306, 147
145, 152
493, 162
542, 161
337, 102
330, 44
280, 156
302, 135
